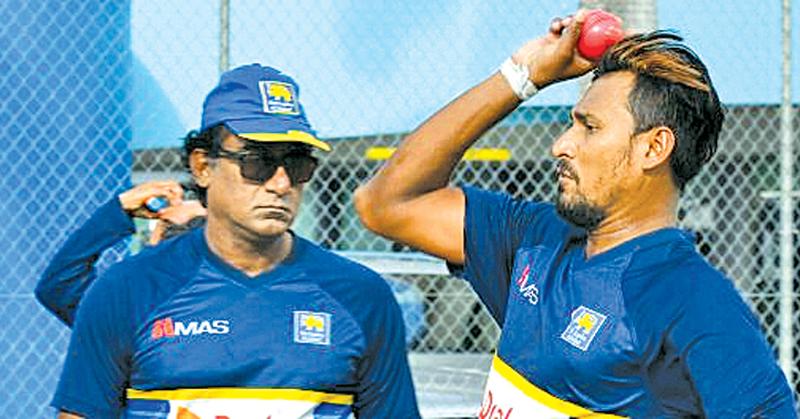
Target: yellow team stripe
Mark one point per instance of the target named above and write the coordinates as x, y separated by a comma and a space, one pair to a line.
379, 153
543, 397
242, 393
473, 154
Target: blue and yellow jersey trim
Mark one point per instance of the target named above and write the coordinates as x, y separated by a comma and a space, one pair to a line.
536, 395
242, 393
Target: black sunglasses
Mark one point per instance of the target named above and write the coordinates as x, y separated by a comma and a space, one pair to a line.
259, 167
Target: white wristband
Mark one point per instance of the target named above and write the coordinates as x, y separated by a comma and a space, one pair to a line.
518, 77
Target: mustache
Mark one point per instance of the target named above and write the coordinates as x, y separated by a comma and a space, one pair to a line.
564, 167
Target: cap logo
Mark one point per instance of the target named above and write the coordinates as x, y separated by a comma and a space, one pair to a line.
278, 97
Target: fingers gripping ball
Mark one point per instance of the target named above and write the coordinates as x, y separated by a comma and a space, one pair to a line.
599, 32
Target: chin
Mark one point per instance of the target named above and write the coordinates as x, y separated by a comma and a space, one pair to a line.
580, 212
268, 228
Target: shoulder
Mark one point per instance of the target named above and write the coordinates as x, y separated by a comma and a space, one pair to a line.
673, 272
360, 290
690, 276
669, 263
330, 267
686, 290
704, 286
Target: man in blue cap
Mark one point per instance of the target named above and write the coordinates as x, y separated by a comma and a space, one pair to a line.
242, 318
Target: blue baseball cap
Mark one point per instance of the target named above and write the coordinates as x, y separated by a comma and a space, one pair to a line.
260, 104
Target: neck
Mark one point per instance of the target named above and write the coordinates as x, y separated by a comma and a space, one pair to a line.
636, 219
248, 253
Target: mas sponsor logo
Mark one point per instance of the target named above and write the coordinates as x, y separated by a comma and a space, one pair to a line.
528, 291
312, 327
167, 328
583, 327
278, 97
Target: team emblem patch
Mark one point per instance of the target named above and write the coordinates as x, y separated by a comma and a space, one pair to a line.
279, 97
311, 327
583, 327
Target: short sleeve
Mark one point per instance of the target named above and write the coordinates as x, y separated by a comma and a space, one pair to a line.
385, 388
726, 357
495, 226
96, 367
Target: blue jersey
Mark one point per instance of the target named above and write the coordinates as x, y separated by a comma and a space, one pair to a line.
175, 332
72, 270
646, 329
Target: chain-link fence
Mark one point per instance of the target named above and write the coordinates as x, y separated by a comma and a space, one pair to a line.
88, 84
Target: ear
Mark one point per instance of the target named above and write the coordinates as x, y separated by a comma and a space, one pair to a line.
659, 143
200, 165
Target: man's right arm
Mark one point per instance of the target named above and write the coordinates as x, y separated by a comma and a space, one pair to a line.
409, 200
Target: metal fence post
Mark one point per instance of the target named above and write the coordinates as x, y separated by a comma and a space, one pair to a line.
224, 35
786, 202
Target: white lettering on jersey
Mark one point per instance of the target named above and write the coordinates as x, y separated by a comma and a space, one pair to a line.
213, 327
531, 293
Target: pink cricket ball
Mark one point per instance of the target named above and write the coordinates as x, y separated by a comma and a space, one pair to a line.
599, 32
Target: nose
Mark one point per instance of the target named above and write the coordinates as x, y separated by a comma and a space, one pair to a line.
279, 183
563, 146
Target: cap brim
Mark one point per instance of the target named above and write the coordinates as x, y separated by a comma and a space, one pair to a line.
275, 131
291, 136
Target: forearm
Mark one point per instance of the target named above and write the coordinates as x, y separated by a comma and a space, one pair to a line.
408, 199
71, 269
427, 157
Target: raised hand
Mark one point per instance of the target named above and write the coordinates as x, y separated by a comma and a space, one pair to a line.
554, 56
133, 200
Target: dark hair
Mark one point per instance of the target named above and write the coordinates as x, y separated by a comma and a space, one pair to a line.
672, 89
209, 140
